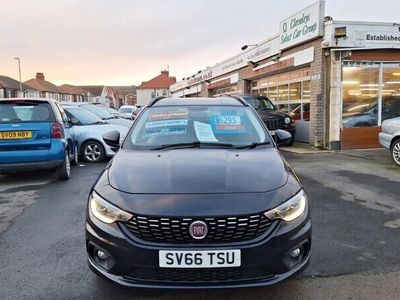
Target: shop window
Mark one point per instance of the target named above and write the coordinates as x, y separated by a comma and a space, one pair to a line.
283, 92
263, 92
295, 91
283, 108
391, 92
295, 111
273, 93
225, 91
360, 96
306, 111
262, 83
306, 90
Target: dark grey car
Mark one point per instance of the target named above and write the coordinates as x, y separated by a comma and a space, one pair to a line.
198, 196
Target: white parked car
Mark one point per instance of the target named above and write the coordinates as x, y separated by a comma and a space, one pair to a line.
390, 137
127, 109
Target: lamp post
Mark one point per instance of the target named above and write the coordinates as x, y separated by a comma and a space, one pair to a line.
19, 70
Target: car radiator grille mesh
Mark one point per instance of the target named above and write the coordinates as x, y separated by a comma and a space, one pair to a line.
274, 124
220, 229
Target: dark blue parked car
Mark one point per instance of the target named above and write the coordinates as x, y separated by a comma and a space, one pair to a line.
34, 134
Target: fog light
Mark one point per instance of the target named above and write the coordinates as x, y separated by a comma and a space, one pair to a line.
295, 253
101, 254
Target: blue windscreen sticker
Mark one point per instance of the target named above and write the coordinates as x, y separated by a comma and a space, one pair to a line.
160, 131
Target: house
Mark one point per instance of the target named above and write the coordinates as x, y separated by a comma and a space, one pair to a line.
130, 99
46, 89
158, 86
100, 94
73, 93
125, 95
10, 88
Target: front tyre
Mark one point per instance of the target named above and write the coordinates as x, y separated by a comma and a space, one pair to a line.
292, 139
395, 150
75, 158
64, 171
93, 151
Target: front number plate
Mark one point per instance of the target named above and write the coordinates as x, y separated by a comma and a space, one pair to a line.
199, 259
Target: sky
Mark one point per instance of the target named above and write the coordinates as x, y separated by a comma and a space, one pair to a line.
125, 42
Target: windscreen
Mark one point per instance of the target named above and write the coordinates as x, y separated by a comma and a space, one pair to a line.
101, 113
25, 111
83, 116
157, 126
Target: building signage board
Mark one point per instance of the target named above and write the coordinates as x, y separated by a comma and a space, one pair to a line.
377, 38
303, 26
263, 50
363, 35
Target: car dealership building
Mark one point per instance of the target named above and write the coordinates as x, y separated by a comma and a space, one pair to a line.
337, 79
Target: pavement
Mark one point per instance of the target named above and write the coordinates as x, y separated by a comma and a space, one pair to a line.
355, 205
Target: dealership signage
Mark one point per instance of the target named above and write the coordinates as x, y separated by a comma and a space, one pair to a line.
263, 50
302, 26
382, 38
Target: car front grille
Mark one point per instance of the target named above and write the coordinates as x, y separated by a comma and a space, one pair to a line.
197, 275
274, 124
220, 229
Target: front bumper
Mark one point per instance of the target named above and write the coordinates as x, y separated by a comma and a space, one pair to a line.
135, 264
385, 139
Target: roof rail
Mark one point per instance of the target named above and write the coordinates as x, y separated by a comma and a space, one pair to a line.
238, 98
155, 100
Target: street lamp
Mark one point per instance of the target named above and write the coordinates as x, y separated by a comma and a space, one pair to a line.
20, 81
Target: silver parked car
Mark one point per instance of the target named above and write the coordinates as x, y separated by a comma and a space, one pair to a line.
390, 137
100, 112
89, 130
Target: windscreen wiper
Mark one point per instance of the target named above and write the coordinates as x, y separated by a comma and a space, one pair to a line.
253, 145
193, 145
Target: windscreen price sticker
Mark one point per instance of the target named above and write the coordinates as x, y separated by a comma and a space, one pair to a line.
228, 123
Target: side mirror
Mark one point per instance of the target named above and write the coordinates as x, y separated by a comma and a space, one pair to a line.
112, 139
282, 137
74, 121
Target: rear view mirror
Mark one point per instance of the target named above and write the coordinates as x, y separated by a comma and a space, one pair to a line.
282, 137
112, 139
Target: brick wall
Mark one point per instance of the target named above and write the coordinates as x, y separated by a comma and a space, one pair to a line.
318, 99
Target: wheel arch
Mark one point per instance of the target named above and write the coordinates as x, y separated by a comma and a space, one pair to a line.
394, 140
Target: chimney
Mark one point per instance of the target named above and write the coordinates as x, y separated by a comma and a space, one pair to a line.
165, 72
40, 76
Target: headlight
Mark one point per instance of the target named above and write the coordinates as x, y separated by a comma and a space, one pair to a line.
288, 120
105, 211
291, 209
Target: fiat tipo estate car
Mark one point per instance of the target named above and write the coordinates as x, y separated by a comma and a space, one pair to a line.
198, 196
